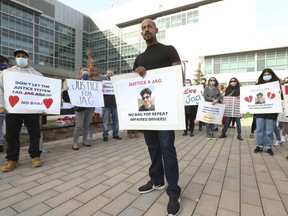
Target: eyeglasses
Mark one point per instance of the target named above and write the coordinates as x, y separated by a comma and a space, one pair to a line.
146, 97
232, 81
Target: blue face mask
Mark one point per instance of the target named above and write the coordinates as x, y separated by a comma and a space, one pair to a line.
85, 76
22, 62
267, 78
3, 66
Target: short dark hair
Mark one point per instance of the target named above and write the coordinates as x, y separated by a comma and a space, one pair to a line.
145, 91
260, 93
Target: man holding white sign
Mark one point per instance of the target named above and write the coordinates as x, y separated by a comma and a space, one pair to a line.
160, 143
14, 121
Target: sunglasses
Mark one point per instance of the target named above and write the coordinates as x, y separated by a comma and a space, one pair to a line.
212, 80
233, 81
146, 97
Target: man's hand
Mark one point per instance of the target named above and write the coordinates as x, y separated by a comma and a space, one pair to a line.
141, 71
3, 110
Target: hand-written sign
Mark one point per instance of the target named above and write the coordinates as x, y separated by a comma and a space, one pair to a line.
31, 93
285, 95
192, 95
85, 93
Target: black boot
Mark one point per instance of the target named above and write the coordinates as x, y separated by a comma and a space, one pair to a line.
191, 133
239, 137
223, 135
185, 133
1, 148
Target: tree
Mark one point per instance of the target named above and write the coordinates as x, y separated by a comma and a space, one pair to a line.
198, 74
91, 62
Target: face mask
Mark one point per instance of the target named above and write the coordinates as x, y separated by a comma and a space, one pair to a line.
267, 77
85, 76
3, 67
22, 62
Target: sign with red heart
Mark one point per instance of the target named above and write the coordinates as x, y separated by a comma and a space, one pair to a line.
13, 100
27, 93
48, 102
248, 99
264, 98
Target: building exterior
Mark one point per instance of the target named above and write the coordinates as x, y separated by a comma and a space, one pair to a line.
228, 37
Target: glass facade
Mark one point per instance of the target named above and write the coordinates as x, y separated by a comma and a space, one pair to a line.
247, 62
49, 43
117, 48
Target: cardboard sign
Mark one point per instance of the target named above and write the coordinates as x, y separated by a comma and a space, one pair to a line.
232, 106
193, 95
166, 105
84, 93
264, 98
25, 93
209, 113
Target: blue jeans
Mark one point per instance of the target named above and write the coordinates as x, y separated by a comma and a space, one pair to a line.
210, 127
227, 123
163, 160
106, 113
265, 130
277, 132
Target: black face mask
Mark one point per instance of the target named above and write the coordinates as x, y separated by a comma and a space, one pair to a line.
3, 66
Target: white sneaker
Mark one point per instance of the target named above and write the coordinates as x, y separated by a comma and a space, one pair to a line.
277, 143
283, 140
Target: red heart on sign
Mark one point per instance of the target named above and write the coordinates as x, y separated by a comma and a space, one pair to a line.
248, 99
48, 102
271, 95
13, 100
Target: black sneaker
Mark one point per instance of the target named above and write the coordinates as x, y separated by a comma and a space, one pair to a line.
1, 148
150, 187
117, 137
270, 152
223, 135
174, 206
105, 139
258, 149
216, 129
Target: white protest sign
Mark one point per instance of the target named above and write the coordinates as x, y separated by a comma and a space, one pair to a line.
108, 87
84, 93
232, 106
166, 98
192, 95
31, 93
264, 98
209, 113
285, 95
282, 117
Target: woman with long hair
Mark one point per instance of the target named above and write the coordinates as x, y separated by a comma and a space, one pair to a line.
265, 122
211, 94
233, 90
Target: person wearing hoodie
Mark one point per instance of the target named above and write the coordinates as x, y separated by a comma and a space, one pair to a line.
14, 121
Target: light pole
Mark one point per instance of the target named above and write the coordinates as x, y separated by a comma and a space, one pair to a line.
184, 62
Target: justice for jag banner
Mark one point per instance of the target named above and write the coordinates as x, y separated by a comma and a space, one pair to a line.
263, 98
165, 102
31, 93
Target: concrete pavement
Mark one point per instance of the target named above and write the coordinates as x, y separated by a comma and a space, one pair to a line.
218, 177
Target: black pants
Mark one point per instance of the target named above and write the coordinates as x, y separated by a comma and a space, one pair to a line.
253, 126
13, 127
190, 118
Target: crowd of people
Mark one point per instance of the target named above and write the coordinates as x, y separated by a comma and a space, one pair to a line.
160, 143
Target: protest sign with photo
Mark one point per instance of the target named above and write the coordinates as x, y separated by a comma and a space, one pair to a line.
84, 93
161, 105
232, 106
209, 113
193, 95
264, 98
31, 94
282, 117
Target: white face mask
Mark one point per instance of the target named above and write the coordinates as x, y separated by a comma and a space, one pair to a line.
22, 62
